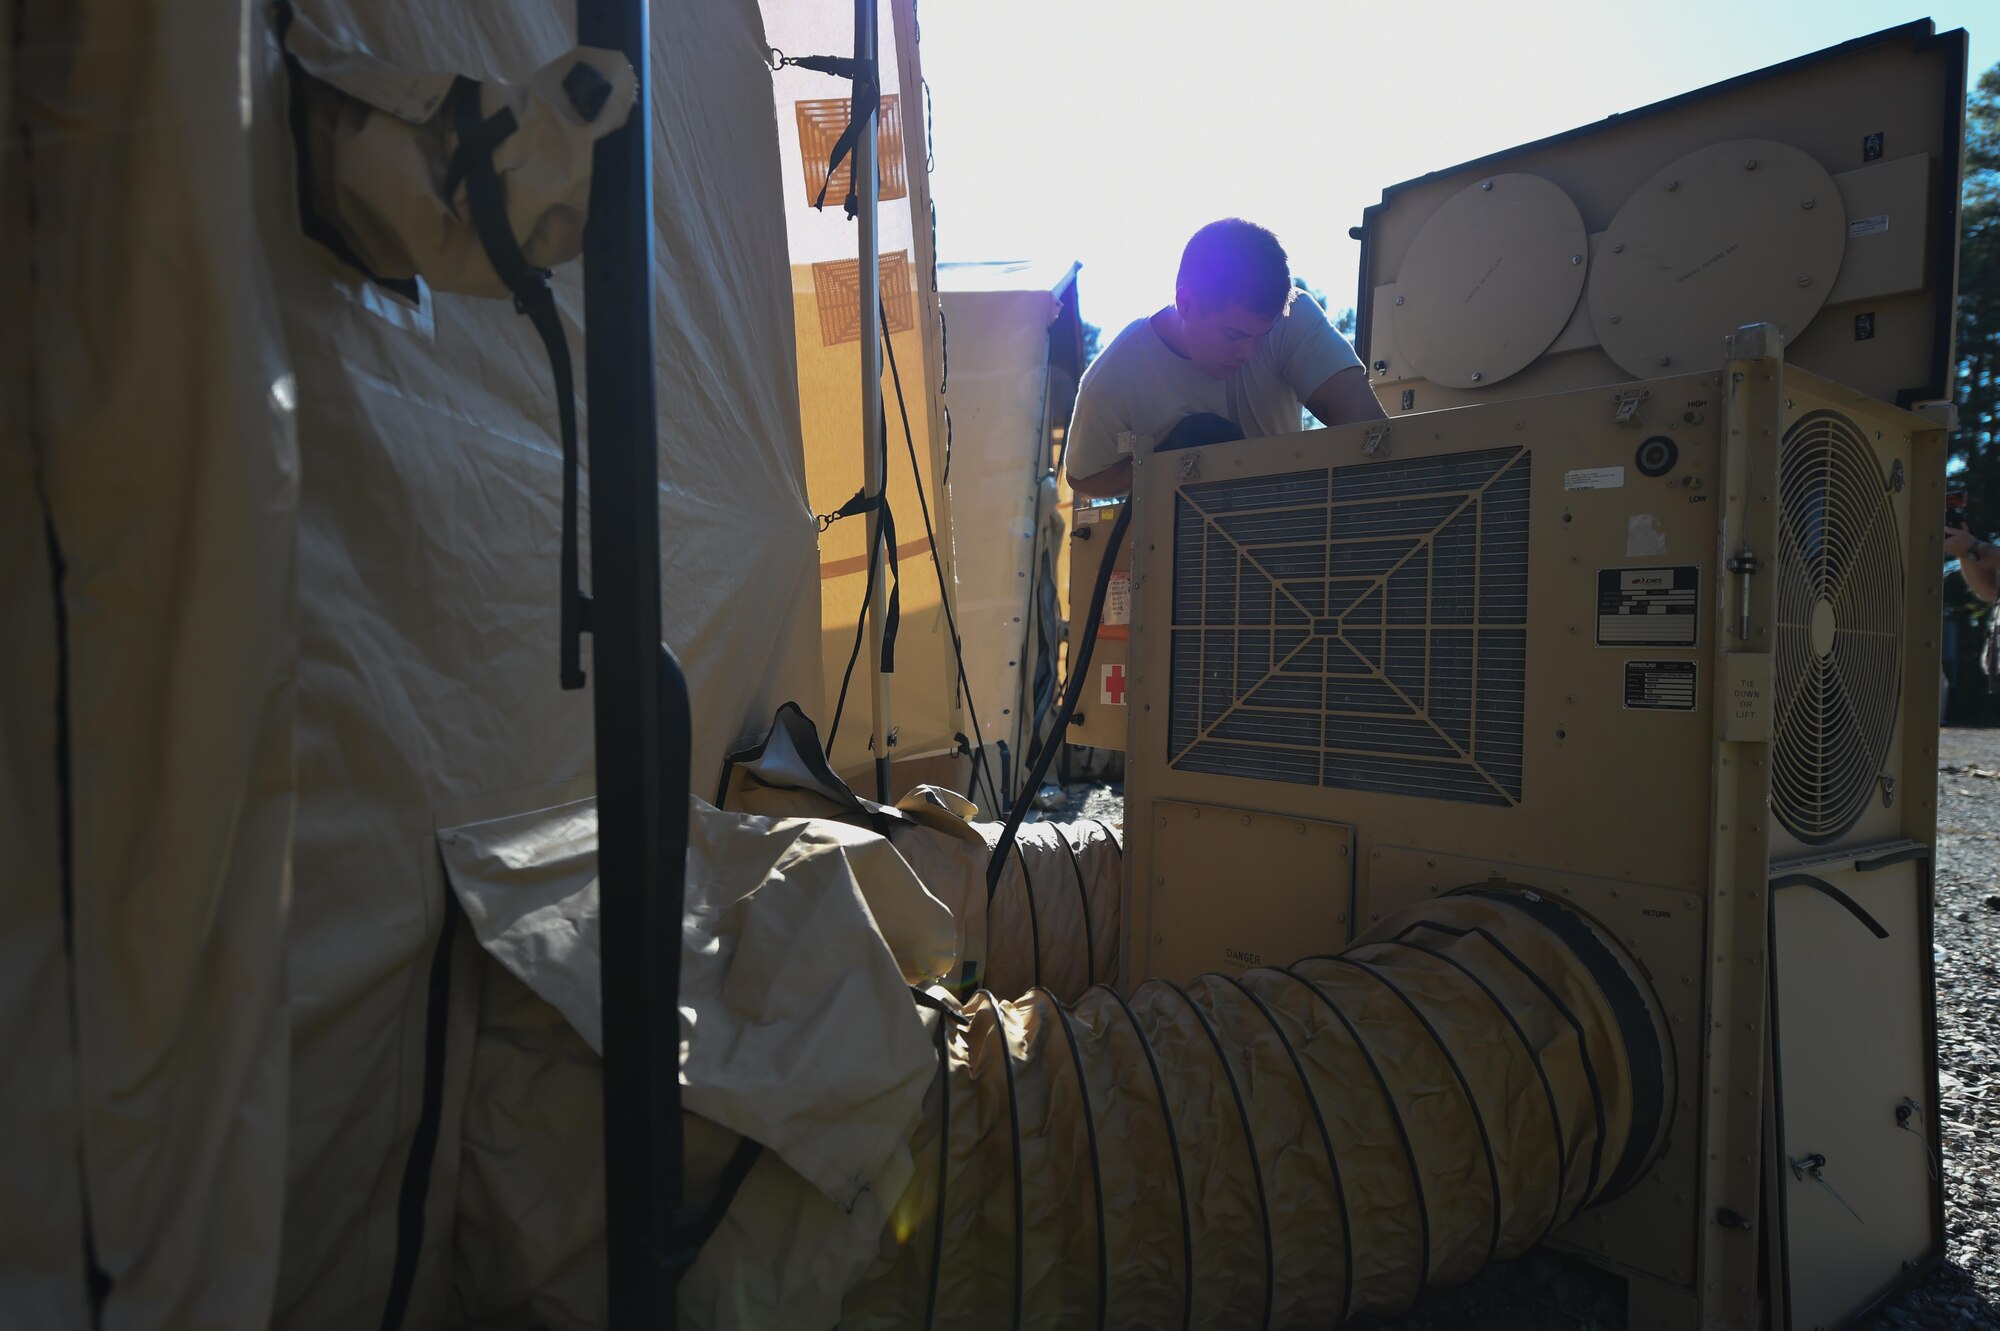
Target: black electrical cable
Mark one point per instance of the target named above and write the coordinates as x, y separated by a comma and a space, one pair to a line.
1079, 669
937, 562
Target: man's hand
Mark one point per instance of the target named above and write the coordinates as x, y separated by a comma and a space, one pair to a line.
1115, 479
1978, 561
1345, 397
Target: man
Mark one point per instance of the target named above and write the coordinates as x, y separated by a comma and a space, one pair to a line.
1979, 565
1234, 344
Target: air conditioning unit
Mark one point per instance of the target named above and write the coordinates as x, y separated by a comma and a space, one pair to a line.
1664, 648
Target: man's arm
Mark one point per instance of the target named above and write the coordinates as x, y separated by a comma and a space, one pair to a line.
1345, 397
1115, 479
1978, 561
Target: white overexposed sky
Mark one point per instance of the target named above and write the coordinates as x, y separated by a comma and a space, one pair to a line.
1106, 131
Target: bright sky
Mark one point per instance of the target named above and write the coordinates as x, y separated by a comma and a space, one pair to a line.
1106, 131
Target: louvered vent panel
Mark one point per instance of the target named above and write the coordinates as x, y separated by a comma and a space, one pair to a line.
1362, 627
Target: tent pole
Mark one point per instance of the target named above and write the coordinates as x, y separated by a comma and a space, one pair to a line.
867, 191
641, 709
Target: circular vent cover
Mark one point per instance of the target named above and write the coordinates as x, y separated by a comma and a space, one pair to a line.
1747, 231
1490, 281
1840, 627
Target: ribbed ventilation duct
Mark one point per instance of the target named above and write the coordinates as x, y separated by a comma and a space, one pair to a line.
1053, 920
1287, 1148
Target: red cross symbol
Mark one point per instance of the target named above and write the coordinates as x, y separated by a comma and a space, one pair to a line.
1114, 685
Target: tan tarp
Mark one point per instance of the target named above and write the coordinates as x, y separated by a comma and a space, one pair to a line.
393, 566
149, 497
800, 940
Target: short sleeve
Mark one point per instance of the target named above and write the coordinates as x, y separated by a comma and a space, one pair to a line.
1310, 351
1091, 444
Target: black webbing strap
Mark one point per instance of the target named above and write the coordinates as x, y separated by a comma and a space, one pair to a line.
414, 1195
863, 502
486, 199
860, 107
691, 1228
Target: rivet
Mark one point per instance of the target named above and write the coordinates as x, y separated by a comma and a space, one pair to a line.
1575, 259
1666, 360
1809, 204
1476, 376
1399, 300
1673, 185
1805, 281
1617, 318
1750, 165
1486, 184
1619, 248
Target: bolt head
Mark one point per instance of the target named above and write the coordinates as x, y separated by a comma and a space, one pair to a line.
1486, 184
1809, 204
1805, 281
1673, 185
1575, 259
1617, 318
1619, 248
1399, 300
1666, 360
1476, 376
1750, 165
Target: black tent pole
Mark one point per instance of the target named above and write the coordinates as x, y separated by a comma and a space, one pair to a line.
641, 708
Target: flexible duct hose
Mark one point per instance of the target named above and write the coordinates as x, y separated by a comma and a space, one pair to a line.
1052, 921
1284, 1149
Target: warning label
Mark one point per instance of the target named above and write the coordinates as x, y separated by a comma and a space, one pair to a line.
1664, 686
1648, 607
1116, 625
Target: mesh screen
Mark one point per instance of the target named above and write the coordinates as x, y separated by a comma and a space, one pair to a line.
1361, 627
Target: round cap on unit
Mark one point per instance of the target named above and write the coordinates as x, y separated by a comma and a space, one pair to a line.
1714, 241
1490, 281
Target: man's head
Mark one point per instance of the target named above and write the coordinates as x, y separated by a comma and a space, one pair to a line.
1234, 283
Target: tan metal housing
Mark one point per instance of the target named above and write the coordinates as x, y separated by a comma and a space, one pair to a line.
1635, 602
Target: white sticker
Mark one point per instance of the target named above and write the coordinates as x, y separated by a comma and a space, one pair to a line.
1594, 478
1111, 684
1118, 599
1128, 441
1868, 226
1643, 536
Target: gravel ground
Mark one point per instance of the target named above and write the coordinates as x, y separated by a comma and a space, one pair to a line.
1548, 1293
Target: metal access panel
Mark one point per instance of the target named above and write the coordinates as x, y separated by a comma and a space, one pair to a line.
1442, 635
1856, 1173
1301, 906
1819, 195
1101, 708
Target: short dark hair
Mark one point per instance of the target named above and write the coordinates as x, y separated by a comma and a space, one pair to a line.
1237, 262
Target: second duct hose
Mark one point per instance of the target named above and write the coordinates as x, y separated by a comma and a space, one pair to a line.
1287, 1148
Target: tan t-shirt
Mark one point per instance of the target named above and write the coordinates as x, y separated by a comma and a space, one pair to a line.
1138, 389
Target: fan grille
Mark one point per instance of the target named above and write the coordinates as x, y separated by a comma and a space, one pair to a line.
1362, 627
1840, 627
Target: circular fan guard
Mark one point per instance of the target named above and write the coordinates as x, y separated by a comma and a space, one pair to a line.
1840, 627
